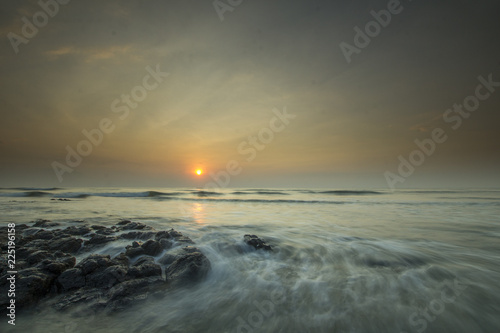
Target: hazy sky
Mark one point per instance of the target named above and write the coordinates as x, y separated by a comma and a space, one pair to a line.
227, 79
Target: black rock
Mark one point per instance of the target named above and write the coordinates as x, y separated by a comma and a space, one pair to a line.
77, 231
177, 253
71, 279
256, 242
45, 224
144, 269
96, 239
66, 244
133, 252
138, 235
151, 247
121, 260
106, 278
94, 262
131, 292
189, 267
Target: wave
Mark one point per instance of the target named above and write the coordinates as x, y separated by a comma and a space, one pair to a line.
146, 194
160, 194
345, 192
206, 193
37, 194
26, 194
265, 201
261, 192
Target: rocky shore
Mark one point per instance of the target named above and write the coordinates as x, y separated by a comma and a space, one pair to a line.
47, 268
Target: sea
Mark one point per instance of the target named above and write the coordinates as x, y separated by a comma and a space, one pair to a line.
343, 260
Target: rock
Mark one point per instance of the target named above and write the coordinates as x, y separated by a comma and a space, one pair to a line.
97, 227
184, 239
77, 231
121, 260
175, 254
94, 262
31, 285
86, 296
96, 239
165, 243
36, 257
125, 293
256, 242
133, 252
71, 279
135, 226
45, 224
66, 244
189, 267
174, 234
106, 231
138, 235
44, 234
45, 265
106, 278
151, 247
144, 267
161, 235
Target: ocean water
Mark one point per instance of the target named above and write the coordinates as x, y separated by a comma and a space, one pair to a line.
343, 260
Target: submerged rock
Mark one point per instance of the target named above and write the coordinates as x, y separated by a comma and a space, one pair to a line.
189, 267
256, 242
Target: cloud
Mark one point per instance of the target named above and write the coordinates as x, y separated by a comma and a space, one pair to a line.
120, 53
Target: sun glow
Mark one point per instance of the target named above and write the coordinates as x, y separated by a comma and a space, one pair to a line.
199, 172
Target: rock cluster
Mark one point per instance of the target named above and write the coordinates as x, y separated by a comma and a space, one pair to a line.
46, 264
256, 242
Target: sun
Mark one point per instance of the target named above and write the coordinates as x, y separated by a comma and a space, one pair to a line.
199, 172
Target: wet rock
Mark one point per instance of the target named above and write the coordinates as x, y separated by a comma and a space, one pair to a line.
151, 247
138, 235
106, 278
184, 239
96, 239
94, 262
165, 243
45, 224
131, 292
121, 260
31, 231
177, 253
71, 279
174, 234
46, 266
36, 257
162, 235
144, 267
83, 296
66, 244
44, 234
188, 268
135, 226
106, 231
31, 285
133, 252
97, 227
77, 231
256, 242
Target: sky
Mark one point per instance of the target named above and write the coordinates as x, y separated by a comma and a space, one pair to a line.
309, 93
